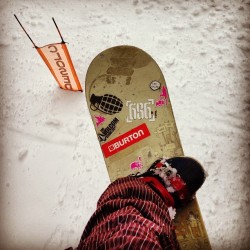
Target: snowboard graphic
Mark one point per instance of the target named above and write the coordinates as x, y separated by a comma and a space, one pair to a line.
133, 118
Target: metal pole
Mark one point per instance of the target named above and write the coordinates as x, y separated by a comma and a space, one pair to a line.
58, 29
25, 31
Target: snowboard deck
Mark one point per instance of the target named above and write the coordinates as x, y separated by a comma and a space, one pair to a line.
133, 118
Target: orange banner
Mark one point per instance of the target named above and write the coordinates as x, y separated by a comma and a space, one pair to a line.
58, 60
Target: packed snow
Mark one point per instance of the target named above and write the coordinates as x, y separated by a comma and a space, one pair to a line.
52, 170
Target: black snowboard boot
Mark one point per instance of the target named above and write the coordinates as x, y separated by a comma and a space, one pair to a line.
181, 176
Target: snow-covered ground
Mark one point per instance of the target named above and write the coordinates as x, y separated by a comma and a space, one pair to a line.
52, 171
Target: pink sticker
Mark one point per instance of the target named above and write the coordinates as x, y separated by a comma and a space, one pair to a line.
99, 120
136, 164
163, 100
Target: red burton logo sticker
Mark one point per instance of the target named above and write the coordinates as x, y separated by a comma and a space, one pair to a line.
123, 141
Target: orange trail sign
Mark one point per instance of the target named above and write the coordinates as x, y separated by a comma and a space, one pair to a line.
57, 58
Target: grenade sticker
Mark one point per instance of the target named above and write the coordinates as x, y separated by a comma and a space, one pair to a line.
108, 104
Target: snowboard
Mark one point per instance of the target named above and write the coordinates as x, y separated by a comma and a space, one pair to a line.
132, 114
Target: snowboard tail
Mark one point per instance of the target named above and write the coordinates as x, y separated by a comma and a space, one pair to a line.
131, 110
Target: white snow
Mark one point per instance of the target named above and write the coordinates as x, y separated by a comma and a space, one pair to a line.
52, 172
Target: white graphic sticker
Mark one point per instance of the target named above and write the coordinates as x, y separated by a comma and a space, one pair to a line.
154, 85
